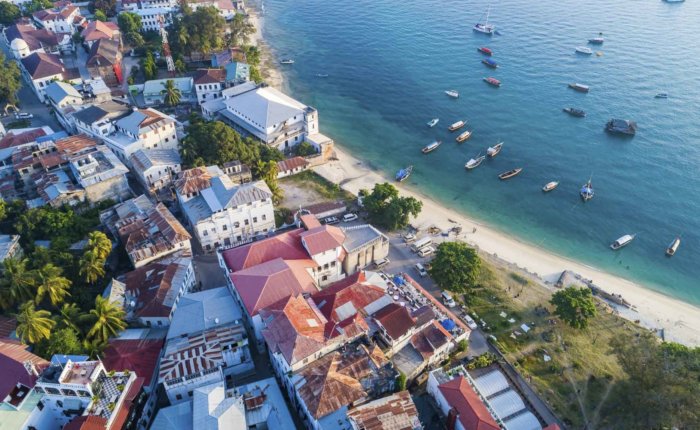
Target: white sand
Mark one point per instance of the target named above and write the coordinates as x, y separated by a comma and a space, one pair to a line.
273, 77
680, 320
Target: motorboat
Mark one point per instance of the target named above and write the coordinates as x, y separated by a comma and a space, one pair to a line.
587, 192
492, 81
485, 27
673, 247
452, 93
464, 136
622, 242
575, 112
433, 122
580, 87
321, 75
287, 61
494, 150
474, 162
550, 186
661, 96
485, 50
432, 147
596, 41
456, 126
584, 50
621, 126
509, 174
403, 174
489, 62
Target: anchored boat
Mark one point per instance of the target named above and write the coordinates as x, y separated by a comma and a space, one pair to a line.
580, 87
673, 247
452, 93
596, 41
474, 162
587, 192
432, 147
456, 126
403, 174
494, 150
622, 242
489, 62
287, 61
509, 174
584, 50
492, 81
433, 122
621, 126
575, 112
464, 136
550, 186
485, 50
485, 27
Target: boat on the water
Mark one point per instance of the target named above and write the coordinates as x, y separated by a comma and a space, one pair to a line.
492, 81
621, 126
432, 147
623, 241
596, 41
403, 174
474, 162
674, 1
580, 87
433, 122
287, 61
575, 112
485, 27
584, 50
673, 247
509, 174
456, 126
452, 93
464, 136
321, 75
494, 150
485, 50
587, 192
550, 186
661, 96
489, 62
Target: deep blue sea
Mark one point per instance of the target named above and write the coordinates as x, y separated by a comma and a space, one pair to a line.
388, 63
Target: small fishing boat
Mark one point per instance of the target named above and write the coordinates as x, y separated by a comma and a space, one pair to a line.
661, 96
433, 122
485, 27
456, 126
474, 162
287, 61
494, 150
509, 174
432, 147
587, 192
584, 50
580, 87
550, 186
492, 81
621, 126
673, 247
452, 93
321, 75
575, 112
623, 241
599, 54
403, 174
489, 62
485, 50
596, 41
464, 136
674, 1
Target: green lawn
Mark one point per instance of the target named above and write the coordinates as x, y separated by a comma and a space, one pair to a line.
324, 188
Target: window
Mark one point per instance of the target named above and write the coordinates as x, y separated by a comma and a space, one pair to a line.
189, 393
325, 266
178, 396
255, 219
332, 263
324, 278
245, 222
205, 233
236, 224
225, 227
264, 217
208, 247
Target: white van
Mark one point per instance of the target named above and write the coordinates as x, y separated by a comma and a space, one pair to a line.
448, 300
426, 251
421, 270
422, 243
349, 217
381, 263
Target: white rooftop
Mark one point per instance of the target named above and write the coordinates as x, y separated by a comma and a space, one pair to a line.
212, 410
526, 421
265, 107
491, 383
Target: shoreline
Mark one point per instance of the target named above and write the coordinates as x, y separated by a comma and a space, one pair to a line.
680, 321
271, 74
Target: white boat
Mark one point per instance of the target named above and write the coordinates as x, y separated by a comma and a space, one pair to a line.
432, 147
456, 126
452, 93
287, 61
584, 50
623, 241
494, 150
485, 27
464, 136
433, 122
673, 247
474, 162
550, 186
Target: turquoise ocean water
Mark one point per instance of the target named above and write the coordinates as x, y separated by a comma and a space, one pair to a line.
389, 62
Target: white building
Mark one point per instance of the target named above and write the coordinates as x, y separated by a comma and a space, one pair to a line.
227, 8
210, 409
152, 17
156, 169
222, 213
97, 120
209, 83
142, 129
65, 19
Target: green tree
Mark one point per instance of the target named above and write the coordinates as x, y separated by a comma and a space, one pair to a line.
9, 13
108, 7
3, 208
456, 267
134, 39
267, 171
71, 317
304, 149
92, 267
17, 284
172, 94
180, 65
50, 283
129, 22
100, 16
64, 341
149, 67
401, 382
240, 30
33, 325
10, 80
99, 244
201, 31
108, 320
575, 306
387, 209
36, 5
214, 142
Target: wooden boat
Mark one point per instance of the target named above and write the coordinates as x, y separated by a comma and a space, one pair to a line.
494, 150
452, 93
509, 174
475, 162
489, 62
584, 50
432, 147
492, 81
661, 96
580, 87
485, 50
575, 112
622, 242
550, 186
673, 247
433, 122
287, 61
621, 126
596, 41
464, 136
403, 174
587, 192
456, 126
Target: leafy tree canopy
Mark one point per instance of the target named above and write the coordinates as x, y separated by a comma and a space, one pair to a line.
107, 7
199, 31
64, 341
575, 306
100, 16
9, 13
387, 209
456, 267
10, 80
305, 149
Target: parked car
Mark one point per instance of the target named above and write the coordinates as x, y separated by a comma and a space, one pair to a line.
426, 251
421, 270
381, 263
349, 217
330, 220
409, 237
448, 300
23, 115
470, 322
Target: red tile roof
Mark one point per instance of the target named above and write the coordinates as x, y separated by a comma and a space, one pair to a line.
395, 319
323, 238
309, 222
87, 422
12, 138
137, 355
349, 290
209, 76
428, 340
286, 246
290, 164
152, 287
13, 355
7, 326
100, 30
472, 412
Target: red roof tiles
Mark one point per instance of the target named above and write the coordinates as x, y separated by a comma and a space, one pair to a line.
286, 246
87, 422
472, 412
395, 319
322, 239
395, 412
137, 355
12, 138
13, 355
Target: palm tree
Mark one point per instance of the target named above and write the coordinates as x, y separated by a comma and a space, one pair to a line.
94, 348
50, 281
99, 244
109, 320
70, 316
17, 283
92, 267
33, 325
171, 92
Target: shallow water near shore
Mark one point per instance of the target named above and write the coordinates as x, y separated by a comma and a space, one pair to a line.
389, 62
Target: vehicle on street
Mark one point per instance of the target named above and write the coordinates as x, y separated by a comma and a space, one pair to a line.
23, 115
381, 263
470, 322
409, 237
349, 217
422, 243
448, 300
330, 220
421, 270
426, 251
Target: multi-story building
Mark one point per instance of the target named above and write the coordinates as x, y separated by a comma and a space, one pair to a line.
153, 17
97, 120
209, 83
19, 371
227, 9
142, 129
98, 30
25, 39
65, 18
100, 173
220, 212
155, 169
40, 69
396, 411
105, 61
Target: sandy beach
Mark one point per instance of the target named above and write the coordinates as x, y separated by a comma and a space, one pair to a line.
680, 321
268, 66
